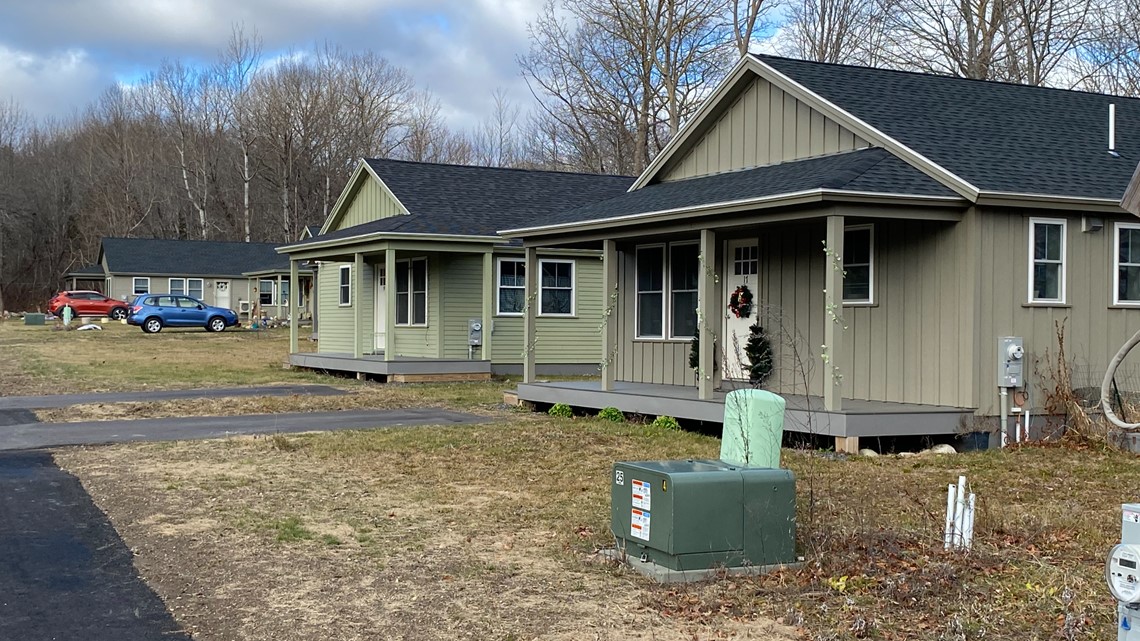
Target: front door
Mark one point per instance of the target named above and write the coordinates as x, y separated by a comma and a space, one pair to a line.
741, 267
222, 294
381, 315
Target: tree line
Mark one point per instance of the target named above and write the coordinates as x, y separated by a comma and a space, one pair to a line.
250, 148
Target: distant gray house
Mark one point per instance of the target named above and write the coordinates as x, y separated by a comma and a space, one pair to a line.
235, 275
890, 226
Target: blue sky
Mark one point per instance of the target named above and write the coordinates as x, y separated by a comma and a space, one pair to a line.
56, 56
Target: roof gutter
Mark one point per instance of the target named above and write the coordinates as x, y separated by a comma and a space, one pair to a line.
1013, 199
386, 235
762, 202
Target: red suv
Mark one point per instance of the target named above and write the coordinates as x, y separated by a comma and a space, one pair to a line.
87, 303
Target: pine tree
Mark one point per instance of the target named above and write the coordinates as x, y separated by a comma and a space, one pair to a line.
759, 352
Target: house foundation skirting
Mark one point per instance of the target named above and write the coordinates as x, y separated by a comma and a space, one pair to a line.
404, 370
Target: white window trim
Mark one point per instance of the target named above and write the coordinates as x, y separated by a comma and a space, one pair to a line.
498, 285
573, 287
1116, 265
272, 291
201, 287
412, 293
1064, 260
170, 287
134, 281
341, 286
668, 284
870, 300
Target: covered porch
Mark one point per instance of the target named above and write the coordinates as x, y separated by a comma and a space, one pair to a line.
398, 370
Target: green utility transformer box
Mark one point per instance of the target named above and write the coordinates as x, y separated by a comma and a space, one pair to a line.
696, 515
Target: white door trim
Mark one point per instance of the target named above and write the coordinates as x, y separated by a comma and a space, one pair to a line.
380, 310
733, 329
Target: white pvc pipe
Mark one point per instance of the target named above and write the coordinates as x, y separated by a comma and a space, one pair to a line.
1106, 384
960, 511
1004, 415
950, 503
968, 530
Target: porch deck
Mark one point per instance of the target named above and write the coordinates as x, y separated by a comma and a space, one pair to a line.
400, 370
804, 413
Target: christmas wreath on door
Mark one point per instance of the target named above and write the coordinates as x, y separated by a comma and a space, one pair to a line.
740, 302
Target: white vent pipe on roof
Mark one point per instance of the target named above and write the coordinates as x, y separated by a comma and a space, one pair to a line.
1112, 128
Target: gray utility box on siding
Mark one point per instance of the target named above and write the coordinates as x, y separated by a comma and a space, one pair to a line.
695, 515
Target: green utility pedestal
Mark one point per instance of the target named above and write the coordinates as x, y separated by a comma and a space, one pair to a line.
695, 515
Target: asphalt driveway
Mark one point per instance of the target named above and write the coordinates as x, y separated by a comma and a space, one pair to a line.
65, 400
64, 571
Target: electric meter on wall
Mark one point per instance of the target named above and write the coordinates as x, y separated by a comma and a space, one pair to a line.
1122, 572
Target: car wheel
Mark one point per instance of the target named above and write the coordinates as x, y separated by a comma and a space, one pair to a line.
152, 325
118, 313
216, 324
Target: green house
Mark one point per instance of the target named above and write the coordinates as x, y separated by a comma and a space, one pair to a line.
414, 283
892, 227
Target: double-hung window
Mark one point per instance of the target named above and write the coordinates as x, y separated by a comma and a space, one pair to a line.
1127, 273
858, 265
651, 292
512, 286
194, 288
1047, 260
345, 285
177, 286
266, 292
684, 272
667, 290
141, 286
411, 292
556, 287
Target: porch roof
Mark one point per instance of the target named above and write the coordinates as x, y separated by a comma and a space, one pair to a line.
861, 172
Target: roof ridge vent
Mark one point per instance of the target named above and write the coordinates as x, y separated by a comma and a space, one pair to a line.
1112, 130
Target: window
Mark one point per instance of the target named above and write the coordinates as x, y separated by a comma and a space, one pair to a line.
556, 287
411, 292
194, 287
177, 286
345, 285
1127, 286
167, 301
858, 265
187, 303
284, 298
684, 272
512, 286
651, 292
141, 286
1047, 260
266, 292
745, 260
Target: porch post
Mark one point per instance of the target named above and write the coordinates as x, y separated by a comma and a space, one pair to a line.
293, 320
390, 308
609, 313
532, 300
280, 297
357, 304
707, 315
488, 304
833, 316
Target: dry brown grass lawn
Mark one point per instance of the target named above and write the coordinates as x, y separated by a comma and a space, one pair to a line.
40, 360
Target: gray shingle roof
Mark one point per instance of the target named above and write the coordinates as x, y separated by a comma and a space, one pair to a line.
867, 170
998, 136
189, 257
477, 201
89, 270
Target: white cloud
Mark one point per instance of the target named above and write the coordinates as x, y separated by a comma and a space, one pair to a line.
52, 85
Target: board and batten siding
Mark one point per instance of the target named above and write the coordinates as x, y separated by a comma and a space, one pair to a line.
461, 278
558, 340
337, 323
1094, 328
763, 126
372, 201
422, 342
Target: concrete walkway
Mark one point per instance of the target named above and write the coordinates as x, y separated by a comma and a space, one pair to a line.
36, 435
65, 400
64, 571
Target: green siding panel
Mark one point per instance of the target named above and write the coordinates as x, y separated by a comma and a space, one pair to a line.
372, 201
762, 126
335, 323
462, 278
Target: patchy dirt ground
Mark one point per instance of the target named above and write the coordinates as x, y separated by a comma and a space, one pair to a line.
433, 533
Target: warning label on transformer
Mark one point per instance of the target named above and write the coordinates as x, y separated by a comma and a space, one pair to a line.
641, 490
639, 524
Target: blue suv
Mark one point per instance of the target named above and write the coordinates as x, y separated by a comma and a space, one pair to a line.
152, 312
